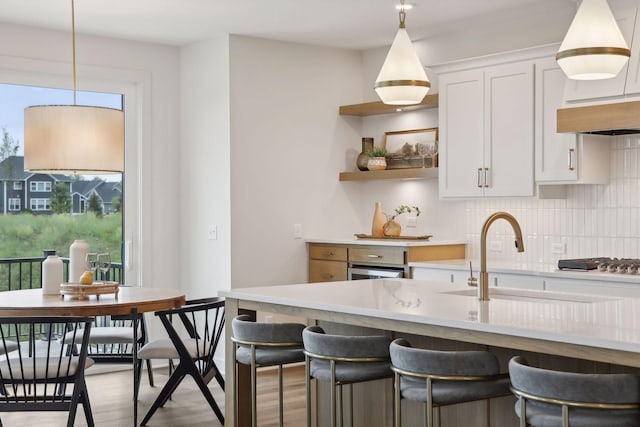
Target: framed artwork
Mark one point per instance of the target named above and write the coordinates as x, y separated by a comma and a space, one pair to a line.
412, 148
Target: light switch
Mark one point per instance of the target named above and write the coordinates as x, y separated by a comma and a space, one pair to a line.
212, 232
297, 231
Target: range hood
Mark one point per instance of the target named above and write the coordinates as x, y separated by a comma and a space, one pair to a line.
620, 118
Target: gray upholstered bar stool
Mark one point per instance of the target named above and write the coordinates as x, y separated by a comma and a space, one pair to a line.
265, 344
440, 378
342, 359
553, 399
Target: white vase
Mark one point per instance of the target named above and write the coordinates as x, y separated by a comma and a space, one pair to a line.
377, 163
51, 275
77, 255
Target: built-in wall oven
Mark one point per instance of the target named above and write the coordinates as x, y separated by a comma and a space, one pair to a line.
362, 272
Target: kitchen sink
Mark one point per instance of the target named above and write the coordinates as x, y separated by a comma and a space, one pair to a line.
545, 297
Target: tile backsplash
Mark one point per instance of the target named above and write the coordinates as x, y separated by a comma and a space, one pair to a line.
593, 220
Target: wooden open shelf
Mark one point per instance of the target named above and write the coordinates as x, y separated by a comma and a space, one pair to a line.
417, 173
373, 108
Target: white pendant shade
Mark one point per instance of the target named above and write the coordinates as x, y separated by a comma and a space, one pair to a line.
594, 47
73, 139
402, 79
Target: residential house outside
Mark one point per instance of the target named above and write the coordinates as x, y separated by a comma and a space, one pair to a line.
22, 191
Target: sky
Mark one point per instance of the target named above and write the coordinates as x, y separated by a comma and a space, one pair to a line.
15, 98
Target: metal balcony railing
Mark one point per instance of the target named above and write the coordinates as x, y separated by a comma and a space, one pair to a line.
26, 273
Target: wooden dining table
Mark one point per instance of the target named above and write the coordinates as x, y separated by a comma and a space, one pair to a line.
129, 300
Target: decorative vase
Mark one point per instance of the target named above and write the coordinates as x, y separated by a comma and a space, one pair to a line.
363, 157
77, 255
378, 221
51, 275
377, 163
391, 228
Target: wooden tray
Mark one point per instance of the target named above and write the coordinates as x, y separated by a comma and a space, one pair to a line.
80, 291
367, 236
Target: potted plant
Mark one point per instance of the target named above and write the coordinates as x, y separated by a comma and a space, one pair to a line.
392, 228
377, 160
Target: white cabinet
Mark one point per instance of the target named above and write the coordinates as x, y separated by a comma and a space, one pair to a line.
519, 281
608, 288
486, 132
579, 90
563, 158
459, 277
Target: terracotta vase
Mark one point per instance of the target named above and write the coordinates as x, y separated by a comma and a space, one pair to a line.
378, 221
377, 163
363, 157
391, 228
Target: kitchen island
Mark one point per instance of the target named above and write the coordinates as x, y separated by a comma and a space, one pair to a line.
576, 327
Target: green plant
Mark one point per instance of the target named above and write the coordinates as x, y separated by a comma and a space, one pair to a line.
377, 152
403, 209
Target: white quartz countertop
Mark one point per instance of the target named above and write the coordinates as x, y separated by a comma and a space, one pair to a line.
385, 242
598, 321
507, 267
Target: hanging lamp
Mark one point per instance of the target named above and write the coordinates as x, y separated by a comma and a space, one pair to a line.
402, 79
594, 47
74, 138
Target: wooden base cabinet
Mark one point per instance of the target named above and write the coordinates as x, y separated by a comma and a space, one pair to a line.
331, 262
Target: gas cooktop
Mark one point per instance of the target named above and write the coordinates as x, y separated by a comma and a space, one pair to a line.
611, 265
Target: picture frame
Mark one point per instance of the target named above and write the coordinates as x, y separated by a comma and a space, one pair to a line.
417, 148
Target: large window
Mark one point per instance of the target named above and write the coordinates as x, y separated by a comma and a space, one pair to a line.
24, 83
14, 205
17, 185
40, 204
40, 186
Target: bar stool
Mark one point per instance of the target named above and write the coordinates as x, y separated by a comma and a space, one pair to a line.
342, 359
265, 344
440, 378
553, 398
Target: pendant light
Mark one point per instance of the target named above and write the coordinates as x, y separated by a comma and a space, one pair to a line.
402, 79
594, 47
73, 138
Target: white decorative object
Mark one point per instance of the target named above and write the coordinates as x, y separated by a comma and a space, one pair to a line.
594, 47
51, 275
402, 79
77, 255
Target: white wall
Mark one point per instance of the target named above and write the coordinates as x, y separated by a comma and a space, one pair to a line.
204, 197
288, 146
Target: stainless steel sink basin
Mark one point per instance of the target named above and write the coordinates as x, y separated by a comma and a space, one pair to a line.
544, 297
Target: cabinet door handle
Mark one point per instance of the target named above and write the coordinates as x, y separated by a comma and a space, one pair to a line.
374, 256
486, 177
572, 151
329, 253
479, 172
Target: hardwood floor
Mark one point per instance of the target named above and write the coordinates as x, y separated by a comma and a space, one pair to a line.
110, 396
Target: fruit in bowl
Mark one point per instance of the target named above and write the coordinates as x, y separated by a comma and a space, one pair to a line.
86, 278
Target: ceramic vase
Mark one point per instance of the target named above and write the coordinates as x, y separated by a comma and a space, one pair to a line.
51, 275
378, 221
363, 157
77, 255
391, 228
377, 163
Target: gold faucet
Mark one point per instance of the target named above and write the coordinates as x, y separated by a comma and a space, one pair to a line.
483, 288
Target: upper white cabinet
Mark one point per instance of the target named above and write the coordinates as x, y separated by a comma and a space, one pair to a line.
563, 158
628, 80
486, 132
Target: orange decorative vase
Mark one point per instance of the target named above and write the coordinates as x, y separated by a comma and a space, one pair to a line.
391, 228
378, 221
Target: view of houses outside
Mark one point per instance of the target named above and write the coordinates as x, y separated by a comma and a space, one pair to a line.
41, 212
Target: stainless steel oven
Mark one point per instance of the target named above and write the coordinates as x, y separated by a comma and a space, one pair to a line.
362, 272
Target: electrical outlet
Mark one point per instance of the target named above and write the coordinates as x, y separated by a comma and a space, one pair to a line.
297, 231
412, 221
212, 232
495, 246
558, 248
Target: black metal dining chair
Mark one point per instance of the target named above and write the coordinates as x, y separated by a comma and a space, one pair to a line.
36, 374
203, 323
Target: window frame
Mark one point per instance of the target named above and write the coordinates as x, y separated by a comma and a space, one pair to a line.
17, 185
10, 206
46, 202
135, 86
33, 186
